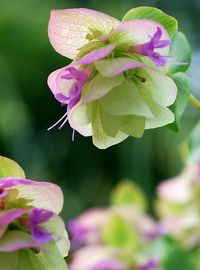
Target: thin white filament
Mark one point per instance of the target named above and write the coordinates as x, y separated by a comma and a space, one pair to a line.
54, 125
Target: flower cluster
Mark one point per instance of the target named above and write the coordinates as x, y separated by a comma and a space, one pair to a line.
122, 236
29, 220
117, 237
178, 205
116, 85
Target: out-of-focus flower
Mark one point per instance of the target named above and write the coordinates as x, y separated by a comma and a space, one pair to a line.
86, 229
178, 205
152, 264
116, 85
98, 258
116, 237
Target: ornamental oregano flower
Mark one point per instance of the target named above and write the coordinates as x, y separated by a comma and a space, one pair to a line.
30, 227
117, 84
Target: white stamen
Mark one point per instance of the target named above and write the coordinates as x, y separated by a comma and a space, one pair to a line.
54, 125
73, 135
173, 61
64, 122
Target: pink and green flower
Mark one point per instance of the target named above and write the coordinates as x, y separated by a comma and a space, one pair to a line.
30, 228
117, 84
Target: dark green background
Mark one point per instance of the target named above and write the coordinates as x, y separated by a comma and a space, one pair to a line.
27, 108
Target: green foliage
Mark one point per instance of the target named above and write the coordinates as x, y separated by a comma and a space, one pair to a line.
181, 53
119, 233
153, 14
178, 259
180, 105
10, 168
128, 192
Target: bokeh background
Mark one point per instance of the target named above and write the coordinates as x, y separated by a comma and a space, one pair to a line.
27, 108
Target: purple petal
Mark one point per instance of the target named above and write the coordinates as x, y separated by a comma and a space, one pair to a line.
157, 36
78, 233
41, 235
39, 216
163, 43
158, 59
96, 55
147, 49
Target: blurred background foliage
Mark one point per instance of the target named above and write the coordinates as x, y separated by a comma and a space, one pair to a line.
27, 108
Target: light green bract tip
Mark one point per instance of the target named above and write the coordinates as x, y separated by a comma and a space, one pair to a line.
118, 83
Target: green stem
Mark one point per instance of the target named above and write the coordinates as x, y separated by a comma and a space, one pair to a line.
195, 102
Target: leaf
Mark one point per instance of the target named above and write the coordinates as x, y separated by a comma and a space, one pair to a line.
127, 192
181, 53
153, 14
180, 105
178, 259
119, 233
10, 168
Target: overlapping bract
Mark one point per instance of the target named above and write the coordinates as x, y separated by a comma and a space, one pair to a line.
123, 89
178, 205
29, 217
116, 237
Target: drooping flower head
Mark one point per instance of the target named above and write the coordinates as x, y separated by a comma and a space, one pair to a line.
116, 85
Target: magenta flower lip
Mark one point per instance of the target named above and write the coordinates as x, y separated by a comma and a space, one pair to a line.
40, 234
148, 48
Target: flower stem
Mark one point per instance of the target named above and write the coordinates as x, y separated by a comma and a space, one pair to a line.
195, 102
